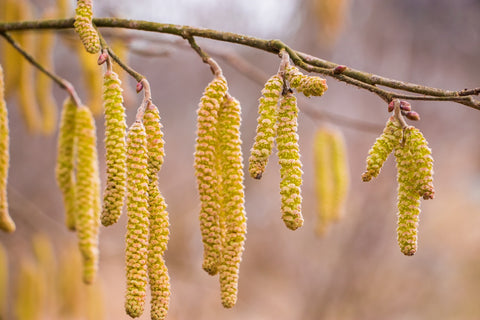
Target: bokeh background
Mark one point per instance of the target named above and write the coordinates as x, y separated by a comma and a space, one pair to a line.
355, 271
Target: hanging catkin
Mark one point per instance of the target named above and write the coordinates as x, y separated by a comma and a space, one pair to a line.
115, 145
383, 146
206, 171
289, 160
423, 174
233, 219
65, 160
158, 218
308, 85
86, 191
267, 126
92, 79
84, 27
136, 239
6, 222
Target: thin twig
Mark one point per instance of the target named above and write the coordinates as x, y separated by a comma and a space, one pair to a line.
214, 67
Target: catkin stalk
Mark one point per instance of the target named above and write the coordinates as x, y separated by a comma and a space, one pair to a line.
206, 171
267, 126
86, 192
136, 239
289, 160
115, 145
65, 161
6, 222
233, 218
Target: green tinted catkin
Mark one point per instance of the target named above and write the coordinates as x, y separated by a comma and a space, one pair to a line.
424, 164
6, 222
266, 127
83, 26
206, 171
308, 85
384, 145
289, 160
341, 179
158, 218
234, 221
86, 191
65, 160
136, 239
115, 145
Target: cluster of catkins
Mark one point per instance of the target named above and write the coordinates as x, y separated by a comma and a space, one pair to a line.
277, 122
414, 173
331, 176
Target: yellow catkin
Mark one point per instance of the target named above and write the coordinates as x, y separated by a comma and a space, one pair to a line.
70, 286
115, 145
84, 28
391, 137
43, 84
10, 57
4, 276
331, 176
422, 154
63, 8
233, 218
206, 171
308, 85
86, 191
136, 239
92, 80
47, 266
6, 222
28, 293
158, 218
331, 15
267, 126
65, 160
289, 160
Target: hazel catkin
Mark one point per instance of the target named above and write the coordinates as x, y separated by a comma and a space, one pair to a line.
308, 85
383, 146
206, 171
64, 169
86, 191
267, 126
136, 252
289, 160
115, 145
233, 218
6, 222
83, 26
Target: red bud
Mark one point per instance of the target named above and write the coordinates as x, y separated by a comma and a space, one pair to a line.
339, 69
391, 106
102, 58
405, 106
139, 87
412, 115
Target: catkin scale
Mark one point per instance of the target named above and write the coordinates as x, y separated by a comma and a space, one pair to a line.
86, 191
158, 217
6, 222
136, 238
206, 171
266, 127
289, 160
84, 28
64, 169
115, 145
308, 85
233, 218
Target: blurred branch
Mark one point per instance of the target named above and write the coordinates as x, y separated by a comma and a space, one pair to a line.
307, 62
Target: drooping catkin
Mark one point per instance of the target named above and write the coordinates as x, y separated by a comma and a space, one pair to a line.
158, 218
422, 154
383, 146
28, 292
93, 79
289, 160
308, 85
43, 84
83, 26
267, 126
115, 145
206, 171
10, 56
47, 266
64, 170
341, 178
86, 191
136, 239
6, 222
233, 218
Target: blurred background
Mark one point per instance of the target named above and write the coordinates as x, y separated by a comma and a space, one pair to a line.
355, 270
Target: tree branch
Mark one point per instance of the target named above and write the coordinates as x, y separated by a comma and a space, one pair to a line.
307, 62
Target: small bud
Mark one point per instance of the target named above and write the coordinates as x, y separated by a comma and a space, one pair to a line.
412, 115
339, 69
391, 106
139, 87
405, 106
102, 58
